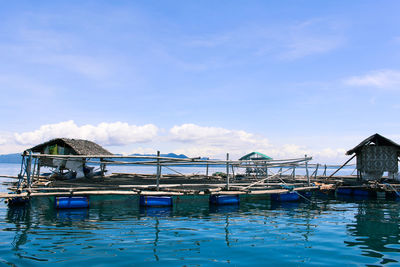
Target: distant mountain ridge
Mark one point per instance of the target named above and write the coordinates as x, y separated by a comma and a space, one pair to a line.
11, 158
169, 155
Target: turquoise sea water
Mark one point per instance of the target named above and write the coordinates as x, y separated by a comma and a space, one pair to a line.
332, 232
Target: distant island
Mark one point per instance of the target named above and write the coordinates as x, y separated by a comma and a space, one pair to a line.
16, 157
11, 158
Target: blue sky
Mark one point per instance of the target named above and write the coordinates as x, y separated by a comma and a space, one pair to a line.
201, 77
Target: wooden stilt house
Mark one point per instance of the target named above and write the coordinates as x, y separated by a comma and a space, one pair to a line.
66, 146
255, 157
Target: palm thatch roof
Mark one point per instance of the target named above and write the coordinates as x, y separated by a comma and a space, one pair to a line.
78, 146
377, 140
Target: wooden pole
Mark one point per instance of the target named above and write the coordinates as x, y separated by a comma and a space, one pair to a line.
316, 171
158, 170
207, 169
342, 166
227, 171
28, 169
102, 167
308, 176
324, 174
34, 167
262, 180
38, 169
174, 170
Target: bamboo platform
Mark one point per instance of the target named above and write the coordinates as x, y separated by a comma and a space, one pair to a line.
259, 179
171, 185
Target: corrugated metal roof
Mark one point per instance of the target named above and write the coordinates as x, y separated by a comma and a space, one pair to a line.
261, 156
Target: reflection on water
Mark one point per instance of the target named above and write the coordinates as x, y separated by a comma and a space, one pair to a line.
376, 229
332, 232
21, 218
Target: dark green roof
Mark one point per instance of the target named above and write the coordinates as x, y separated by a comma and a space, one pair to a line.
377, 140
255, 156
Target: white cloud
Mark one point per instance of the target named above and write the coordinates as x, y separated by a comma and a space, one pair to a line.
189, 139
215, 141
194, 140
385, 79
3, 141
7, 144
117, 133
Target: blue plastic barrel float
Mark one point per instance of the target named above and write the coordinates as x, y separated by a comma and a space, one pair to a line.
224, 199
360, 192
289, 196
155, 201
72, 202
344, 191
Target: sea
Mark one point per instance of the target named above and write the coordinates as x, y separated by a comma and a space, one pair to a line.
328, 230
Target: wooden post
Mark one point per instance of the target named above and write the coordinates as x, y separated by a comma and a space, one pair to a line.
294, 172
342, 166
34, 167
28, 169
227, 171
280, 172
207, 169
256, 169
233, 173
38, 169
308, 176
158, 170
102, 167
316, 170
324, 174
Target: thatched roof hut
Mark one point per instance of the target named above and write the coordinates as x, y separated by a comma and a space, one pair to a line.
376, 155
67, 146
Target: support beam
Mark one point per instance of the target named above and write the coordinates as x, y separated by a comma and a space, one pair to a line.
308, 176
158, 171
342, 166
227, 171
316, 171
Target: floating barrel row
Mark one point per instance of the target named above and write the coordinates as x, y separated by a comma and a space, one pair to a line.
77, 202
290, 196
354, 192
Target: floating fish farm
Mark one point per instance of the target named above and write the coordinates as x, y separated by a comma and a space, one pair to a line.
74, 183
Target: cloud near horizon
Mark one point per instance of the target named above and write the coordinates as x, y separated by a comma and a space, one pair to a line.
112, 134
213, 141
194, 140
189, 139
